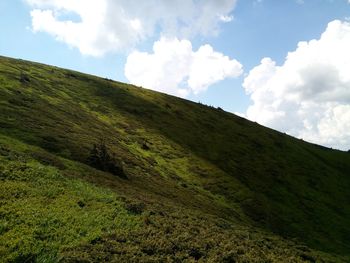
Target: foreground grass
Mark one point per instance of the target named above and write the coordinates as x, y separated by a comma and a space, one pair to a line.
47, 216
43, 211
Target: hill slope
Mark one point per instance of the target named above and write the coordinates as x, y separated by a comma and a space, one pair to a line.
92, 169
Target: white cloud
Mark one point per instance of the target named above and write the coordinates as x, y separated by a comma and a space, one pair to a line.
309, 95
227, 19
114, 25
175, 68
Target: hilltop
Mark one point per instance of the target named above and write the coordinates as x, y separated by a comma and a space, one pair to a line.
95, 170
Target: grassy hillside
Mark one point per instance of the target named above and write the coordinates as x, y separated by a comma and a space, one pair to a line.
97, 170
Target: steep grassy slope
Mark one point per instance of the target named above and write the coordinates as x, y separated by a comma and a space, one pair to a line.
202, 184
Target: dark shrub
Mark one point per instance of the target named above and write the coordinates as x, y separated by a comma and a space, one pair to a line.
4, 151
71, 75
145, 146
81, 204
195, 253
50, 144
101, 159
135, 208
24, 78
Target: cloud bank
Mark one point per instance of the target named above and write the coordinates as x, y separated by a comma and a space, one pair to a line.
175, 68
114, 25
97, 27
309, 95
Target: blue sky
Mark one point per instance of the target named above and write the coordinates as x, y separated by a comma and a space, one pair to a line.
225, 40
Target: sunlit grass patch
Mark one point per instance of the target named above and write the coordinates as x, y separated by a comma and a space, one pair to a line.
43, 211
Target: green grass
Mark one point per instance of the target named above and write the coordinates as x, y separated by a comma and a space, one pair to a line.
187, 165
43, 211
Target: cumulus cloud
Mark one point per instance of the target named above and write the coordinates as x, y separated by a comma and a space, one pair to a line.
175, 68
113, 25
309, 95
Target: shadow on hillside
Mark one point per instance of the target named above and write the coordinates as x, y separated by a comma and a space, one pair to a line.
281, 171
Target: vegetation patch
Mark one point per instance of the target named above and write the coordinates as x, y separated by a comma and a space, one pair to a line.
172, 180
101, 158
43, 211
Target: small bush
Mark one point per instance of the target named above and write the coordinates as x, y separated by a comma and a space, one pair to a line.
24, 78
71, 75
4, 151
135, 208
101, 159
145, 147
50, 144
195, 253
